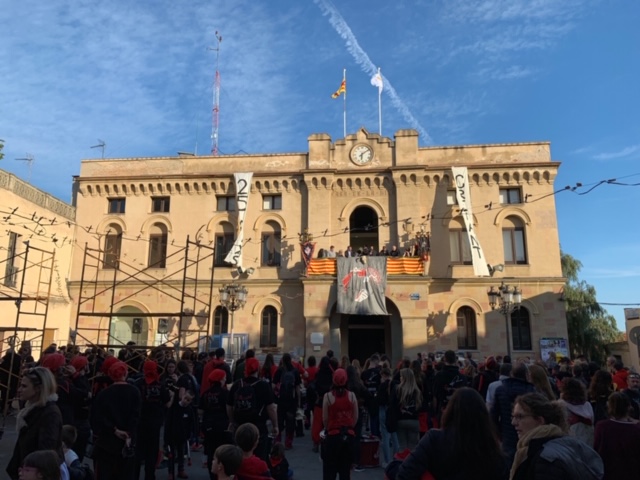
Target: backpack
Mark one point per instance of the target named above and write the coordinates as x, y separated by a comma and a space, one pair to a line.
245, 404
457, 382
80, 471
287, 385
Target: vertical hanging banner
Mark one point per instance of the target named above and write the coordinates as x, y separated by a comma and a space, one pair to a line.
463, 195
243, 185
307, 251
361, 285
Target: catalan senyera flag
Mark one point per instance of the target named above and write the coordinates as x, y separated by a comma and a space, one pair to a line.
341, 90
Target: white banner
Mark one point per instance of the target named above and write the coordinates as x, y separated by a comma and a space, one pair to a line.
243, 185
463, 194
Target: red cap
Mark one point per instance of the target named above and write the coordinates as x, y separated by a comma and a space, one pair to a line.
79, 362
251, 365
217, 375
491, 363
54, 361
340, 377
118, 371
106, 365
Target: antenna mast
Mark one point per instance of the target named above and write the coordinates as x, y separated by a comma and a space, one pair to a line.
100, 145
29, 159
216, 100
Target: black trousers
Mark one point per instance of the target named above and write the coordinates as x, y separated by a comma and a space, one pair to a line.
147, 449
109, 466
337, 455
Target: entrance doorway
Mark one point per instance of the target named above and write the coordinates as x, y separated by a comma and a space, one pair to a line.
363, 229
366, 336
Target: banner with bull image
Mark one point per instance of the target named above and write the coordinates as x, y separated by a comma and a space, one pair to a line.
463, 195
243, 185
361, 285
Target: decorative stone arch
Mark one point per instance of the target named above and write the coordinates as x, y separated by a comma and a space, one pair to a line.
363, 202
509, 211
267, 302
532, 307
222, 217
152, 220
103, 226
265, 217
447, 221
468, 302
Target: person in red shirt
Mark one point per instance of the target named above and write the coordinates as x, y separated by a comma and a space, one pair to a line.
216, 362
339, 416
620, 376
252, 467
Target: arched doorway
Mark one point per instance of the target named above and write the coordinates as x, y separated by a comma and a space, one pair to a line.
363, 228
126, 328
360, 336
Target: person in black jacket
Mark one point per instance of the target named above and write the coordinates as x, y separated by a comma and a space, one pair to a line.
502, 406
466, 447
39, 424
114, 418
324, 382
213, 411
155, 398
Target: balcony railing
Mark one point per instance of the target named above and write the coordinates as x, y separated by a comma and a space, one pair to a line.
395, 266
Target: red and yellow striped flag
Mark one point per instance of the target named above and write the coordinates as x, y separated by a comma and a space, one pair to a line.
341, 90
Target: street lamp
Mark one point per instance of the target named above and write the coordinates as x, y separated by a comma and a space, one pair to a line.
423, 243
232, 297
507, 300
305, 236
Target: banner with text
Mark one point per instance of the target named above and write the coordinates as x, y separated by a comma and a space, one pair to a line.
243, 185
361, 285
463, 195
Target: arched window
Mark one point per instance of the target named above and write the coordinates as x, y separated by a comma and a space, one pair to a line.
112, 246
220, 320
271, 244
459, 243
269, 327
513, 238
467, 338
521, 329
225, 236
158, 236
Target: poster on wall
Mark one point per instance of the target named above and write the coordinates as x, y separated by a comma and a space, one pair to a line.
559, 346
362, 282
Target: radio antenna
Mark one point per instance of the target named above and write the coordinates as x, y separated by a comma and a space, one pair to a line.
100, 145
216, 99
29, 159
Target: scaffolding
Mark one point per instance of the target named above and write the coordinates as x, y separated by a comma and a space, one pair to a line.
99, 300
27, 283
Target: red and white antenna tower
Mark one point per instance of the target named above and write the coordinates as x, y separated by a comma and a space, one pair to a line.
216, 100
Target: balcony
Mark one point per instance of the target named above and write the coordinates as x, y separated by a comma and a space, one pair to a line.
395, 266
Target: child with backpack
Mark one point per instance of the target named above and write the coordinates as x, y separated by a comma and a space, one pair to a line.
180, 425
278, 463
77, 469
288, 381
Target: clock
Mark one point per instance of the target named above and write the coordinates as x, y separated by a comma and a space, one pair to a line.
361, 154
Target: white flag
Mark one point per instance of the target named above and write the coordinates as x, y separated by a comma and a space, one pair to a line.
376, 81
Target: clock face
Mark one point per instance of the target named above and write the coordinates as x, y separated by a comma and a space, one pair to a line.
361, 154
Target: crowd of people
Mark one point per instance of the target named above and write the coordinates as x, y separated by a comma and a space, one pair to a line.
371, 251
446, 418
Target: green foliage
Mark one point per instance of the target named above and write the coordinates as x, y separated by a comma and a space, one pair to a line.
1, 147
590, 327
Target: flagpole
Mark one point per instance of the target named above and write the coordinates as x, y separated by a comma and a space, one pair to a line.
344, 79
380, 105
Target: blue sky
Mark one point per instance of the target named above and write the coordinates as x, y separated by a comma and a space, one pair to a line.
138, 75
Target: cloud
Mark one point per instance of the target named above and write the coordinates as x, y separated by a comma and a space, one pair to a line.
362, 59
625, 152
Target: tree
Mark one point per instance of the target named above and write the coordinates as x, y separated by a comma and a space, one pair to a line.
590, 327
1, 147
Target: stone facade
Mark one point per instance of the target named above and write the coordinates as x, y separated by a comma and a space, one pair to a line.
36, 242
384, 193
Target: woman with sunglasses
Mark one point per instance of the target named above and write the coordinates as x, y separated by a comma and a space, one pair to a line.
39, 424
545, 449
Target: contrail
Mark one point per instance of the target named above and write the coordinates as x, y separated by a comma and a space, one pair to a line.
362, 59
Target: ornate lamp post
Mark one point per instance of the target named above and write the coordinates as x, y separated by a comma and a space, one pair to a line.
507, 300
423, 242
232, 297
305, 236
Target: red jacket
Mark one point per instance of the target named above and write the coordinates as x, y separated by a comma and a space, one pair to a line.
253, 468
620, 379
